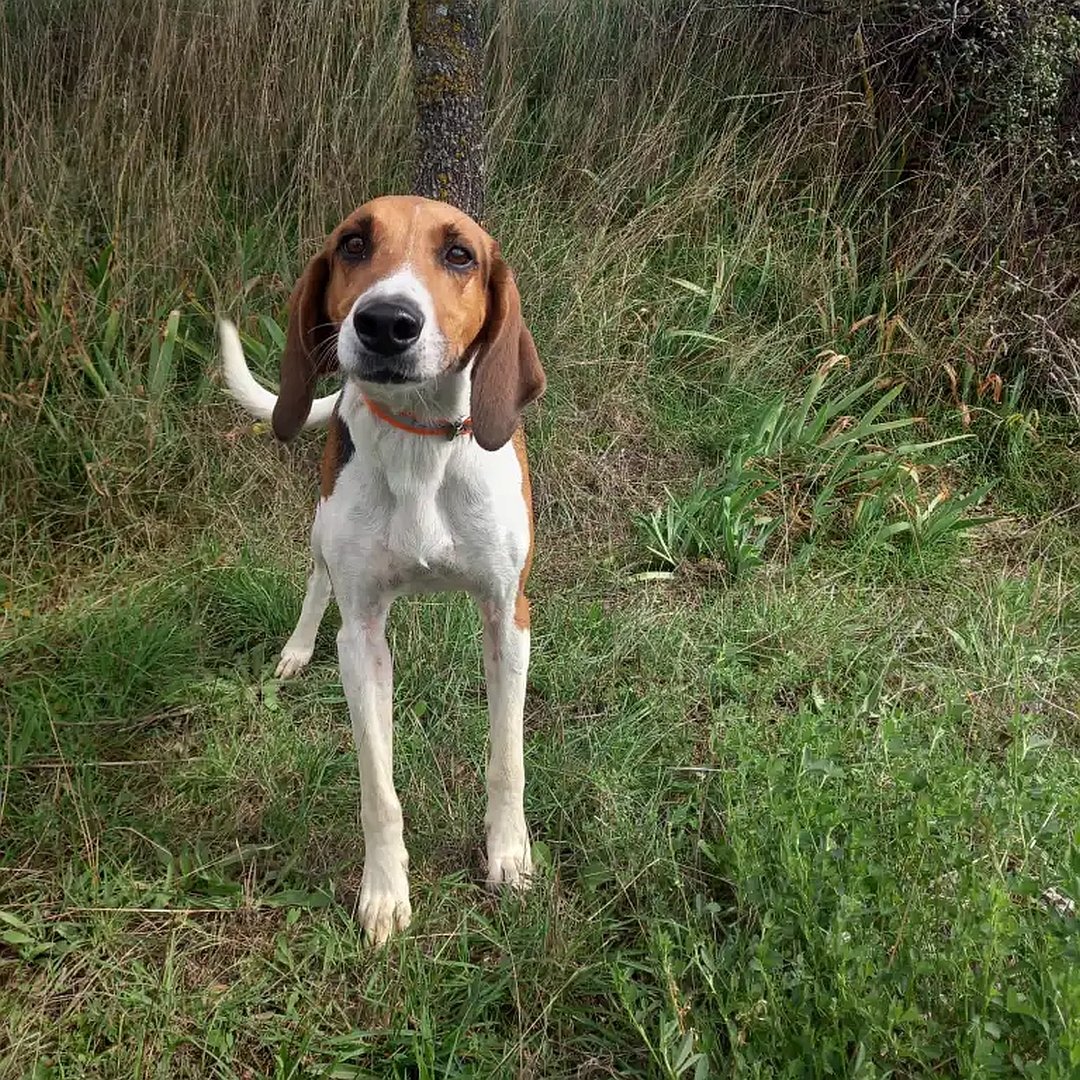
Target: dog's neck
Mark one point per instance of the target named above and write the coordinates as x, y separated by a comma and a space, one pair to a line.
445, 398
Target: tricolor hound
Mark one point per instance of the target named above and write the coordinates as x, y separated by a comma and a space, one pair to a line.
424, 487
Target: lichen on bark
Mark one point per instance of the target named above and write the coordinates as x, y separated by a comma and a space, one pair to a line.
448, 64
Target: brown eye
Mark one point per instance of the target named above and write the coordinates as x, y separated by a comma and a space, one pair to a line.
459, 257
354, 246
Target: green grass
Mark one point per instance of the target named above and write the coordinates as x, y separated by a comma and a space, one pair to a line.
816, 823
802, 765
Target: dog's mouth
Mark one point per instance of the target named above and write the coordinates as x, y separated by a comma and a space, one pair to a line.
387, 376
394, 370
405, 368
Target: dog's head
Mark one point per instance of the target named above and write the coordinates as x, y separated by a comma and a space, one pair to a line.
405, 290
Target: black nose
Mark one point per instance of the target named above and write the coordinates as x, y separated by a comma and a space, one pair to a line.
388, 327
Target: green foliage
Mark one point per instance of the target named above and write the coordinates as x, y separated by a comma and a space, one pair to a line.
833, 457
714, 523
924, 526
994, 68
835, 834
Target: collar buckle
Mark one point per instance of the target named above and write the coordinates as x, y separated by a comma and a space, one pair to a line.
448, 429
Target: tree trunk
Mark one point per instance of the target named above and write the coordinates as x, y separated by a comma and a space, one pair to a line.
447, 60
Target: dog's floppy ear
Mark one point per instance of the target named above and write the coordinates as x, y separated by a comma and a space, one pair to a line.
306, 357
506, 371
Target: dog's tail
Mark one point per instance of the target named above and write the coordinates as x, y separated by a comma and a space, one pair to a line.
250, 393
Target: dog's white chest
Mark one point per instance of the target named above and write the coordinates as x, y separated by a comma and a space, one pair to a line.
418, 535
390, 531
414, 514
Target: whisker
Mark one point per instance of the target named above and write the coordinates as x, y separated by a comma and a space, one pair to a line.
325, 355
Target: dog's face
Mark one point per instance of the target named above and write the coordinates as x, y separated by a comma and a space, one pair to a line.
408, 289
405, 290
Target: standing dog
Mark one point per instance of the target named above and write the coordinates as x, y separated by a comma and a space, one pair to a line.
424, 487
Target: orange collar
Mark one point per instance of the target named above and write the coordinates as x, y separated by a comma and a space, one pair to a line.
448, 429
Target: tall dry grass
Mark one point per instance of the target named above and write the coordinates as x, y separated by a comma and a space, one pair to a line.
162, 157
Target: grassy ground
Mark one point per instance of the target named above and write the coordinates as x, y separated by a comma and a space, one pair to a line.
802, 769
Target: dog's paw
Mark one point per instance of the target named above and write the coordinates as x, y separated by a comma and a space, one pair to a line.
293, 661
509, 855
384, 896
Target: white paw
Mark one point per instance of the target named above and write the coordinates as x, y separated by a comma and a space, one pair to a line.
509, 855
293, 661
384, 896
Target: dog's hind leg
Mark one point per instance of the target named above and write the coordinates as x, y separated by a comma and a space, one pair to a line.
506, 663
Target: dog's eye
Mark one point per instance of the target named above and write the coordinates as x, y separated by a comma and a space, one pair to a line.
459, 257
354, 246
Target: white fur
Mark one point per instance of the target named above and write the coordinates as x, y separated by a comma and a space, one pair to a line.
249, 393
426, 356
410, 514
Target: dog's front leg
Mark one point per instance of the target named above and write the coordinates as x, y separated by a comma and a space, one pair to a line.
296, 654
506, 664
367, 678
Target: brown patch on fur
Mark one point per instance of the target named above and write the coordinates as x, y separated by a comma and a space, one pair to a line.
305, 356
416, 232
399, 230
338, 450
507, 374
522, 619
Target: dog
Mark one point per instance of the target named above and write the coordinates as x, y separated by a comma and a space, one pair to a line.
424, 486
